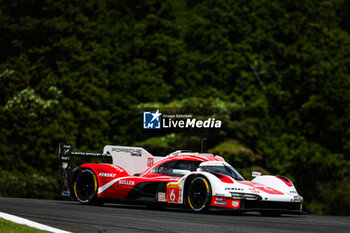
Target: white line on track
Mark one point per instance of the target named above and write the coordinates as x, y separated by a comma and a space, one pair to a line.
27, 222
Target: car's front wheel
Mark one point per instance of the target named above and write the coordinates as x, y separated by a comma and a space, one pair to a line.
85, 187
199, 194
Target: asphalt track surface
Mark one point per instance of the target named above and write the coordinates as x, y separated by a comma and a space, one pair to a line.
71, 216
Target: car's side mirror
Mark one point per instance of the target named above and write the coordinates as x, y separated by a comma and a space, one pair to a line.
256, 174
180, 172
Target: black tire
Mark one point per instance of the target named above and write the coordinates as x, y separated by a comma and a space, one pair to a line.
85, 187
199, 194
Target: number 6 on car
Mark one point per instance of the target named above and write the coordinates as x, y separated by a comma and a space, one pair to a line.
173, 193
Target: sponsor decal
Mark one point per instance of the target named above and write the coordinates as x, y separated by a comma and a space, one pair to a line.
173, 193
64, 165
161, 197
173, 185
106, 174
157, 120
118, 168
219, 203
235, 189
254, 190
133, 152
127, 182
235, 204
220, 198
150, 162
152, 120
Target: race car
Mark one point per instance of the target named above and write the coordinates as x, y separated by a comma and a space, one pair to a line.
198, 181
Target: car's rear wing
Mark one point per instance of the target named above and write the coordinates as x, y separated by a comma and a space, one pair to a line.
64, 156
65, 153
134, 160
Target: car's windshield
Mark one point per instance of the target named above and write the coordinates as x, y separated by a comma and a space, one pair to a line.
223, 169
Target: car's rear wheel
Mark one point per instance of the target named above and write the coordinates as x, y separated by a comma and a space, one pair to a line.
85, 187
199, 194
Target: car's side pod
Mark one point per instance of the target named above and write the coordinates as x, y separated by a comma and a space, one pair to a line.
64, 156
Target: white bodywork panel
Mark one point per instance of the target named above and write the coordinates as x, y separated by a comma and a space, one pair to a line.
276, 183
132, 159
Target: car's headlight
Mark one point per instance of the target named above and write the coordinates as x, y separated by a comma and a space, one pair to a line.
237, 195
298, 198
246, 196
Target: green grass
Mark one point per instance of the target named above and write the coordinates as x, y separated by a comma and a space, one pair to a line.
11, 227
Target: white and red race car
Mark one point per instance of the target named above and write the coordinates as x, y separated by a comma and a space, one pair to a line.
193, 180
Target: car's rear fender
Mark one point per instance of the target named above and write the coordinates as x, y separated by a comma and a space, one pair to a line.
105, 173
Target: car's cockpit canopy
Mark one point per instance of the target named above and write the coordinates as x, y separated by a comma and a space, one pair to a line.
219, 167
182, 167
177, 167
